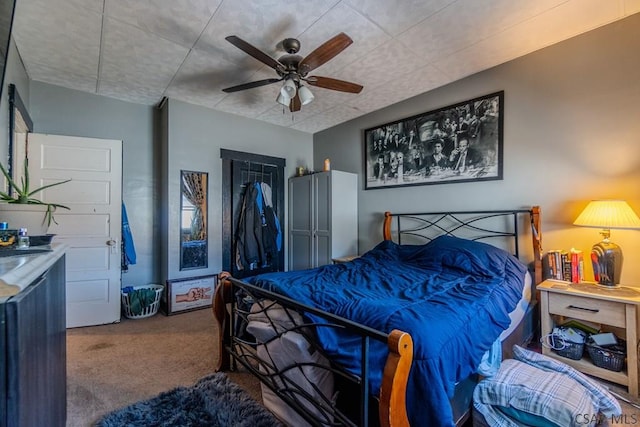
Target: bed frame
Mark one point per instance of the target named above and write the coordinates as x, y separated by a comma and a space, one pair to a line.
233, 299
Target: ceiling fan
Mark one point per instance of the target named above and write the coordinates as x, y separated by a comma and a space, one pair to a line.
293, 69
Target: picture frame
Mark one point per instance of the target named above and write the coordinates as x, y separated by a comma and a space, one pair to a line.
188, 294
429, 148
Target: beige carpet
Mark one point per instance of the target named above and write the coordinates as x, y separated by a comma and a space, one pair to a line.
112, 366
630, 413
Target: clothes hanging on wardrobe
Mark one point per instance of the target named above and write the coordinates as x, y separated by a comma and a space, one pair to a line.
258, 236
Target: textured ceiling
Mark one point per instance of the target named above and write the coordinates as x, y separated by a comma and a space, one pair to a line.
143, 50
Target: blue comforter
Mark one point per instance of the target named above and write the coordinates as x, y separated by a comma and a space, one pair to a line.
452, 295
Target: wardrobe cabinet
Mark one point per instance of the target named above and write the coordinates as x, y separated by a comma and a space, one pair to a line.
323, 218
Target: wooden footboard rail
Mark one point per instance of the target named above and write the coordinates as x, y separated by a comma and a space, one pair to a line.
237, 303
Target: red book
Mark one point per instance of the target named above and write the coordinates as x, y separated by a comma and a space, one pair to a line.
577, 274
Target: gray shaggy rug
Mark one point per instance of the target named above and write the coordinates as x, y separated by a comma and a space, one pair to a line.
213, 401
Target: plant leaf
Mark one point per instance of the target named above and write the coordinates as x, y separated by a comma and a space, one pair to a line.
10, 180
25, 180
23, 195
46, 186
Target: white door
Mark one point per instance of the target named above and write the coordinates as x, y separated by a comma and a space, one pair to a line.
92, 228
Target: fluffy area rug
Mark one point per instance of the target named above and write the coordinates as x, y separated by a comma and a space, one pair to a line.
214, 401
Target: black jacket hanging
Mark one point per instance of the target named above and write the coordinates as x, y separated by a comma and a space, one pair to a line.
256, 235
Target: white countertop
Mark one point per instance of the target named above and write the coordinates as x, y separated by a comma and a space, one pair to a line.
18, 271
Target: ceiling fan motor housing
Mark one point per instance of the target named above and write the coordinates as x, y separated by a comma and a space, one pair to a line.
291, 45
290, 63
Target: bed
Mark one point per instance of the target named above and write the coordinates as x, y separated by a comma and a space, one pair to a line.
402, 345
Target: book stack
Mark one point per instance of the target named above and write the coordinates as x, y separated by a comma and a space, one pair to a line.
565, 265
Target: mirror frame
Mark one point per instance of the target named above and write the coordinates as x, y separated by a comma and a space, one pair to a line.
196, 255
19, 121
7, 12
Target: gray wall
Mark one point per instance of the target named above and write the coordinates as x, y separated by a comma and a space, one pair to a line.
571, 134
195, 137
56, 110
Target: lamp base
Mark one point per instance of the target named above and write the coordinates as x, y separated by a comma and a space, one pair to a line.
606, 258
607, 287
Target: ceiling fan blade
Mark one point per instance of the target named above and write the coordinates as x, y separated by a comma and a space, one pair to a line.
250, 85
255, 52
295, 103
334, 84
324, 53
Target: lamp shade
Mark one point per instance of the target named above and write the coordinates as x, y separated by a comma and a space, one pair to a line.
606, 256
608, 214
305, 95
288, 88
283, 99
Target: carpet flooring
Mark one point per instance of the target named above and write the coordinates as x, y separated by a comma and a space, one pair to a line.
112, 366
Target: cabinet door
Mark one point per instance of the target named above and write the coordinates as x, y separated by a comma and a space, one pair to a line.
300, 223
322, 219
36, 338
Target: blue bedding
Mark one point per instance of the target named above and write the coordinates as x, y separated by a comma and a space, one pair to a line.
452, 295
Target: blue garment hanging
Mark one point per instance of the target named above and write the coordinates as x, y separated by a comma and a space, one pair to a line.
128, 248
260, 202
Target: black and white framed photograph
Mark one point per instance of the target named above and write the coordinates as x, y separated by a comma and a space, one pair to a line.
457, 143
181, 295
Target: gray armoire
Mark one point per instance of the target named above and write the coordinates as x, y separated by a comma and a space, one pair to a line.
323, 218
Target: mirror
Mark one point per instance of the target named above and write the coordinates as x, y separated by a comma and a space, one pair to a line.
20, 125
194, 251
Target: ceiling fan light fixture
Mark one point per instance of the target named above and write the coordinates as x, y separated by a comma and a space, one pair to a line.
288, 88
306, 96
283, 99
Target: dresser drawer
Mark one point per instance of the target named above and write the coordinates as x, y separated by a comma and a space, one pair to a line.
594, 310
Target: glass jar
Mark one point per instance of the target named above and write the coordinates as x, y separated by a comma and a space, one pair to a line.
23, 239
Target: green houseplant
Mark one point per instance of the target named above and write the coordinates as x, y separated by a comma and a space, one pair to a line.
22, 194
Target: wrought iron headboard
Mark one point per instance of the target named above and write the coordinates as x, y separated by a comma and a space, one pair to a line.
488, 226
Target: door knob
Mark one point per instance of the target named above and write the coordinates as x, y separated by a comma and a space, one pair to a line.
111, 242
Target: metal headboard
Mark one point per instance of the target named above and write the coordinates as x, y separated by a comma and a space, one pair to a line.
505, 227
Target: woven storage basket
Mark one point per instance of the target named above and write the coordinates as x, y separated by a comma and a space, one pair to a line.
610, 357
147, 311
566, 348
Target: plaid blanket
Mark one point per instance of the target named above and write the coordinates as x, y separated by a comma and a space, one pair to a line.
538, 390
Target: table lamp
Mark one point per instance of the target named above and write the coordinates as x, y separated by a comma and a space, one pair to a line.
606, 256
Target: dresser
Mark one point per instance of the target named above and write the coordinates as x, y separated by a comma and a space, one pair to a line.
323, 218
615, 309
33, 369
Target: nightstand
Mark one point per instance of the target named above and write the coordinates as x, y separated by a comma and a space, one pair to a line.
615, 309
344, 259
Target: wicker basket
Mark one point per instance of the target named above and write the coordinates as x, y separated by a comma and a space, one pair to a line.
566, 348
147, 311
610, 357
